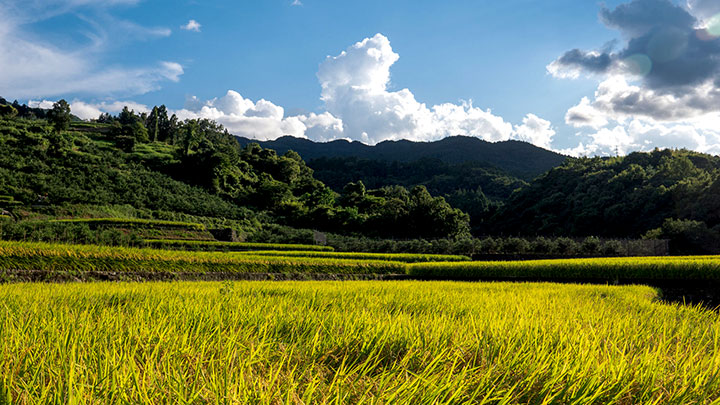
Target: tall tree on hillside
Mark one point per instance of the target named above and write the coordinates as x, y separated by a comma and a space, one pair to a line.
153, 124
59, 116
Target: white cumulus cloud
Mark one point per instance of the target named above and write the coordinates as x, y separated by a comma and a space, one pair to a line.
261, 120
355, 89
536, 131
358, 105
191, 25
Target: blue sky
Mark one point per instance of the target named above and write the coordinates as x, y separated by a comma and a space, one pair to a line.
509, 57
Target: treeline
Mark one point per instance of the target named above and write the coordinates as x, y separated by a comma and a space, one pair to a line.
483, 247
479, 248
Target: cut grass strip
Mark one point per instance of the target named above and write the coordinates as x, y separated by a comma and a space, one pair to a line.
230, 246
132, 223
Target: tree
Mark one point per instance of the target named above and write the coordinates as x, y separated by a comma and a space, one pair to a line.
59, 116
7, 111
153, 124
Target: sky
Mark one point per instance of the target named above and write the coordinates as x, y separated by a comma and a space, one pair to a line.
576, 76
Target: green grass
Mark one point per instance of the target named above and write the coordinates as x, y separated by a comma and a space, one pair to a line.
616, 268
78, 259
397, 257
354, 342
133, 222
230, 246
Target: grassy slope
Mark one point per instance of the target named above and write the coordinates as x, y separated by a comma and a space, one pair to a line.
353, 342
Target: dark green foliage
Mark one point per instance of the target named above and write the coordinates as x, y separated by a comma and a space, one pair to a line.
616, 197
7, 111
687, 237
48, 170
59, 116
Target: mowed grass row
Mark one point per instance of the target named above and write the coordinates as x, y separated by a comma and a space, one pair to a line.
397, 257
90, 258
355, 343
132, 223
616, 268
230, 246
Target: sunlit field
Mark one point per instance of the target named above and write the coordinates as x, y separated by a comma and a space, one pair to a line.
353, 342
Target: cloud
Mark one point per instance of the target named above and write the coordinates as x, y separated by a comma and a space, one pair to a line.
658, 89
296, 3
89, 111
261, 120
359, 106
34, 68
665, 49
536, 131
355, 89
575, 62
704, 10
191, 25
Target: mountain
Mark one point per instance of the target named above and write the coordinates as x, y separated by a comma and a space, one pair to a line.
519, 159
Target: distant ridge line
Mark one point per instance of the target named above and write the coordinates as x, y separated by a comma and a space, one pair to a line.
518, 158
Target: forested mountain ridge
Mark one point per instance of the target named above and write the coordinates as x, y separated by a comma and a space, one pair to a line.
519, 159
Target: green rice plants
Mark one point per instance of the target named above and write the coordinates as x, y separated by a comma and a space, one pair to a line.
616, 268
61, 258
354, 342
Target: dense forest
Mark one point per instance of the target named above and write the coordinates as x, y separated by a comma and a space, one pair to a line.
664, 194
52, 163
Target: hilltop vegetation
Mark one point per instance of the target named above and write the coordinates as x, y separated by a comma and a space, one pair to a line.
195, 167
664, 193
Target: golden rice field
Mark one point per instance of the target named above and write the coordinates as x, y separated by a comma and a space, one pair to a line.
353, 342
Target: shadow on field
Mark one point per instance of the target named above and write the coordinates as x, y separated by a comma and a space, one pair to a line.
707, 297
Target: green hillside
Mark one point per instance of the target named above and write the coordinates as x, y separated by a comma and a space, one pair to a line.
664, 193
193, 170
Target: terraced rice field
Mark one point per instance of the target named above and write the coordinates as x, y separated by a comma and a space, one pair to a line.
353, 342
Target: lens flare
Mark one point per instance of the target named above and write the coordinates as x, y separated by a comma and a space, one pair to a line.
638, 64
713, 27
667, 45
